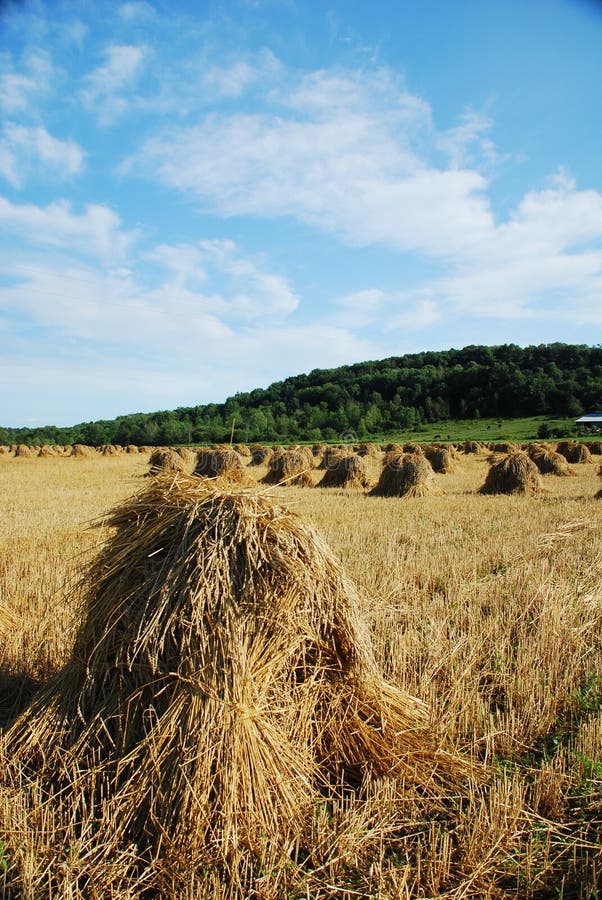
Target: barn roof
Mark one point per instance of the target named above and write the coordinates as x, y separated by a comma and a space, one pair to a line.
590, 417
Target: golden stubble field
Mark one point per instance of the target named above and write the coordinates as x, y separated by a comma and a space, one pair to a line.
488, 608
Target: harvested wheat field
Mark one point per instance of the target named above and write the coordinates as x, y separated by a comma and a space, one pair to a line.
374, 697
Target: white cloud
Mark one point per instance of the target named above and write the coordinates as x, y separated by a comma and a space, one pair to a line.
529, 287
206, 369
205, 294
185, 263
8, 165
109, 86
467, 144
21, 87
416, 312
24, 150
96, 232
354, 154
323, 93
204, 341
341, 153
544, 262
122, 65
248, 292
255, 292
137, 12
229, 82
552, 220
387, 311
15, 91
279, 351
360, 308
108, 308
75, 32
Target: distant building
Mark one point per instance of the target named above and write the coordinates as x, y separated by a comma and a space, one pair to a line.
590, 422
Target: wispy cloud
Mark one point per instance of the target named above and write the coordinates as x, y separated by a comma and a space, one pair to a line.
416, 311
341, 153
95, 232
230, 81
26, 151
362, 308
468, 143
170, 297
177, 333
137, 11
544, 260
120, 69
249, 291
108, 86
389, 311
22, 84
353, 154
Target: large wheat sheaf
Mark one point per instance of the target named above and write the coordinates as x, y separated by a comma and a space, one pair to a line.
221, 683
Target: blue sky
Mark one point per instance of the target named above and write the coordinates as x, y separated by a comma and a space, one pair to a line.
202, 198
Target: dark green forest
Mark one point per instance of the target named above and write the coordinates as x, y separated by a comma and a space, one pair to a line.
367, 399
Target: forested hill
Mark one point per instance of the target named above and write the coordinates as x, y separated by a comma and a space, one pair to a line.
368, 398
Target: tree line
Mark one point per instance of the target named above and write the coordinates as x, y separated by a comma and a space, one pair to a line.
367, 399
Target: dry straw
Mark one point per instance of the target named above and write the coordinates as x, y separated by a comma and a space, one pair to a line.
317, 452
188, 455
331, 456
221, 685
574, 452
440, 458
22, 451
305, 452
412, 447
513, 474
404, 475
221, 462
549, 462
81, 451
242, 450
46, 451
260, 455
165, 459
289, 467
349, 471
111, 450
367, 449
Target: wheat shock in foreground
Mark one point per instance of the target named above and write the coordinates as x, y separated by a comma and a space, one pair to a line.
221, 684
485, 607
